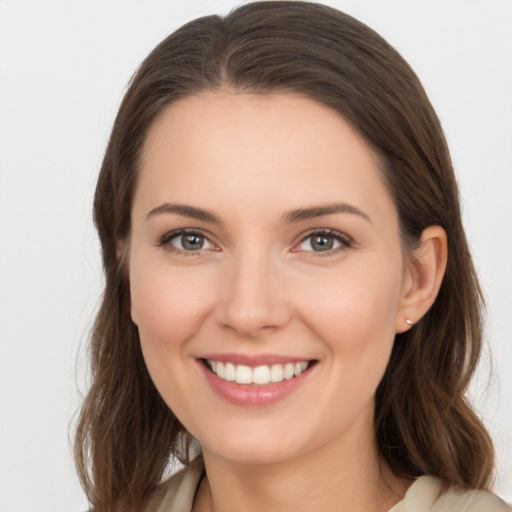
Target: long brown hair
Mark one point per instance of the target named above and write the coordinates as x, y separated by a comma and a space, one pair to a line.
126, 435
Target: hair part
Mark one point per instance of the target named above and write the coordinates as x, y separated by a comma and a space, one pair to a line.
126, 434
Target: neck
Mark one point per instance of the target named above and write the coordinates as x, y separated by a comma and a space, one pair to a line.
344, 475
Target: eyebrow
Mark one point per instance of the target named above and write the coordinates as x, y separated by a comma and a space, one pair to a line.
319, 211
185, 211
292, 216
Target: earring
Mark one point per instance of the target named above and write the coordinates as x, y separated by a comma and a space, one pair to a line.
409, 322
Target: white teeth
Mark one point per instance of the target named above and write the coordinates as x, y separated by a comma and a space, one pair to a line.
276, 373
299, 368
260, 375
289, 371
243, 374
220, 370
229, 372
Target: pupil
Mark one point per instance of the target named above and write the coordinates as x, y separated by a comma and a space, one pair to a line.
322, 243
192, 242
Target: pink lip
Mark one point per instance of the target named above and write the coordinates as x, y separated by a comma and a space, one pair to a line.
252, 395
253, 361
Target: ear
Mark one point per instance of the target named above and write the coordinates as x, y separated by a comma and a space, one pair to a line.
423, 276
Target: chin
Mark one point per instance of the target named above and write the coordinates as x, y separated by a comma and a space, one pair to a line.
255, 449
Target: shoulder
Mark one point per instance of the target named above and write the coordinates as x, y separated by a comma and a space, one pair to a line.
470, 501
177, 493
428, 494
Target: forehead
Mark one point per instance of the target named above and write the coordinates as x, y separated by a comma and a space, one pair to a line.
229, 147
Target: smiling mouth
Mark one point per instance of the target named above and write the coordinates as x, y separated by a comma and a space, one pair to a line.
259, 375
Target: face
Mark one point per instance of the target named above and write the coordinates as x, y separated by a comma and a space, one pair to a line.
266, 274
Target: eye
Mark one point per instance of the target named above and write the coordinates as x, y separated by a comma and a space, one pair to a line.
324, 241
186, 241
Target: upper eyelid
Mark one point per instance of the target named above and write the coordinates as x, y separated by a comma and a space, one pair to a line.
165, 239
180, 231
169, 235
325, 231
346, 242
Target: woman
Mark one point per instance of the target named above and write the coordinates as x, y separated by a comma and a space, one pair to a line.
287, 281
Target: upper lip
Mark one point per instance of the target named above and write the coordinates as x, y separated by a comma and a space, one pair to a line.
254, 360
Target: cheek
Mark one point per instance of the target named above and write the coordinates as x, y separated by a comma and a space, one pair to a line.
168, 305
354, 317
355, 310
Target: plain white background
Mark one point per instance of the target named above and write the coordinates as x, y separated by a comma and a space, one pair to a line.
63, 69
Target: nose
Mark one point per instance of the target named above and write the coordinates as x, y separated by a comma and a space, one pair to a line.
252, 300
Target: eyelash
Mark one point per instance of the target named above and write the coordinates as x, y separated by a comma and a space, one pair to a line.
165, 241
345, 241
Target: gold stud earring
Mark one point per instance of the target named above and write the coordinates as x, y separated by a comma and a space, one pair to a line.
409, 322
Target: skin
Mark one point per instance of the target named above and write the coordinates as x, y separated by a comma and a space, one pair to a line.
257, 286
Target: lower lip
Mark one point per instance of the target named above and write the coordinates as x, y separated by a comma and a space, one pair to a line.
253, 395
